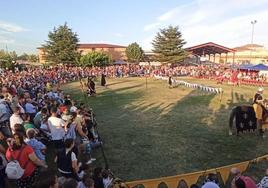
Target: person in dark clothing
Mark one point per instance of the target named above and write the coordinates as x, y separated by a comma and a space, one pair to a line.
67, 162
97, 177
170, 81
103, 80
91, 87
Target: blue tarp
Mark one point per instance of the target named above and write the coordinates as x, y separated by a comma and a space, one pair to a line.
120, 63
260, 67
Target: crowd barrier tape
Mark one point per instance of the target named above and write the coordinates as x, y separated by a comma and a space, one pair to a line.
192, 178
192, 85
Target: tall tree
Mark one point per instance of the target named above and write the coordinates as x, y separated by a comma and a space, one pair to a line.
134, 53
168, 45
61, 46
95, 59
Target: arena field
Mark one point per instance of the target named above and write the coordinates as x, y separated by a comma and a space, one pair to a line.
156, 132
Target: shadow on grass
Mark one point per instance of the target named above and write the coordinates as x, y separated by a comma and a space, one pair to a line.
143, 142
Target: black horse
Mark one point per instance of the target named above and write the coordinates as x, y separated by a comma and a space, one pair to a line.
242, 118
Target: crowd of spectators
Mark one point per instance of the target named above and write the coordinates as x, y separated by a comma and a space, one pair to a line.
35, 116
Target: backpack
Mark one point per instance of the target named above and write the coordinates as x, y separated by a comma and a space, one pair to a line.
13, 169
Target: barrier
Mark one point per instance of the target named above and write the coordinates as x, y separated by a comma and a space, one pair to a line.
192, 85
192, 178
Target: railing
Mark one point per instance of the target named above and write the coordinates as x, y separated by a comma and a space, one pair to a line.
192, 178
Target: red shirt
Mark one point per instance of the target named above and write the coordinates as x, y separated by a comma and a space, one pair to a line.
248, 181
24, 157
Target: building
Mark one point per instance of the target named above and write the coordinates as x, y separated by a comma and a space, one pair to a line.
252, 53
116, 52
249, 53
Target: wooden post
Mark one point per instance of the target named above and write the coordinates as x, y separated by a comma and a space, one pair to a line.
214, 57
226, 58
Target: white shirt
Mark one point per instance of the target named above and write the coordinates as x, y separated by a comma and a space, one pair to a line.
56, 127
15, 119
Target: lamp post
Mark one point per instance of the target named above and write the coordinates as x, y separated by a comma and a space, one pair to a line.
252, 34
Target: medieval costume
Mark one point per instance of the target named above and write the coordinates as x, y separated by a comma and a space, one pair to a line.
91, 87
103, 81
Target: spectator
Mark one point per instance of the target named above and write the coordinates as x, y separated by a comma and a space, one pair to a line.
67, 161
38, 147
56, 126
27, 160
264, 181
97, 177
47, 179
5, 114
249, 183
86, 182
27, 124
16, 119
3, 161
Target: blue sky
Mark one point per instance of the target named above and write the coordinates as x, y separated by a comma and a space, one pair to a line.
24, 25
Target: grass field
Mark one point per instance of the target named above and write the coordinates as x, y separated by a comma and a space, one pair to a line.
156, 132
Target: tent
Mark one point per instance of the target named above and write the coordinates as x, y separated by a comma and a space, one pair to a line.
245, 66
259, 67
120, 62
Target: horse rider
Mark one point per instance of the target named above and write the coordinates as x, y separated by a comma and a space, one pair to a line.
260, 111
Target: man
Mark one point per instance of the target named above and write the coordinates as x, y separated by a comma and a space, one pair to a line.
260, 111
5, 114
15, 120
56, 126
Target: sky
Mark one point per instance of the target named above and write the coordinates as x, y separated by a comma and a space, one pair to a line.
24, 25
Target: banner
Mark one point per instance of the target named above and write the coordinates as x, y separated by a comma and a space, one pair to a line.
192, 85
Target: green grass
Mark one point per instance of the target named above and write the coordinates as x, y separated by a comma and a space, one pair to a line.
156, 132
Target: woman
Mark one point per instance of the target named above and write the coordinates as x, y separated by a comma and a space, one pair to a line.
67, 161
24, 154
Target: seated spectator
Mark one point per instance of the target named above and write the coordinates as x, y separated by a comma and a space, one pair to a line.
38, 147
69, 183
211, 181
27, 160
97, 177
249, 183
86, 182
47, 179
106, 179
264, 181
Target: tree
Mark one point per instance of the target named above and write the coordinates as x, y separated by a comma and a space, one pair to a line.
134, 53
61, 46
95, 59
168, 45
24, 57
7, 59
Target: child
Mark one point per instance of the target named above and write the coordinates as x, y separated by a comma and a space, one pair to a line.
38, 147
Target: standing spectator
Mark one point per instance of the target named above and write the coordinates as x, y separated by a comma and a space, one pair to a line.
4, 117
24, 154
67, 161
56, 126
15, 119
3, 161
38, 147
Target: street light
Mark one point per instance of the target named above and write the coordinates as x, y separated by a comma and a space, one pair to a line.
252, 34
253, 24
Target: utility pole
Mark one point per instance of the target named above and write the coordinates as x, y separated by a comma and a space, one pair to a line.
252, 35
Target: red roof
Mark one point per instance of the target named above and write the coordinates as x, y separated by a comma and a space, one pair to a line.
97, 45
247, 47
209, 48
100, 46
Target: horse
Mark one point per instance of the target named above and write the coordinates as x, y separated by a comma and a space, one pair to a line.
242, 118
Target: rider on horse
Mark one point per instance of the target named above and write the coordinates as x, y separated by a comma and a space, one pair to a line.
260, 111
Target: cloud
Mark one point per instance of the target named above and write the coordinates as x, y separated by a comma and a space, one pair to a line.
6, 40
118, 35
10, 27
225, 23
151, 26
